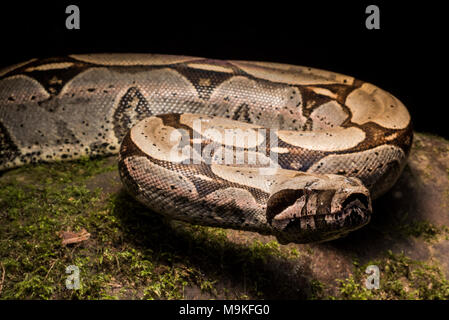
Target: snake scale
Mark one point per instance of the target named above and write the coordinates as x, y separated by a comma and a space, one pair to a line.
273, 148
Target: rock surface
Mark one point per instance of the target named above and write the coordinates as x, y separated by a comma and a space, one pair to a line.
411, 220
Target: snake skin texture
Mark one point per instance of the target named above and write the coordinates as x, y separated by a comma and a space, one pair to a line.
338, 142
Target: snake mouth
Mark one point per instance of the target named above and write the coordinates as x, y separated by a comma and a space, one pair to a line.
332, 227
355, 212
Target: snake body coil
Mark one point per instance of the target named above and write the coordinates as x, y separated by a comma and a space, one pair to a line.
321, 144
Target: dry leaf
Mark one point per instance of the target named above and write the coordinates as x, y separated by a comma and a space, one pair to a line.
69, 237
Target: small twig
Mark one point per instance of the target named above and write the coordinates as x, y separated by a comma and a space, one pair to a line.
51, 267
118, 263
3, 277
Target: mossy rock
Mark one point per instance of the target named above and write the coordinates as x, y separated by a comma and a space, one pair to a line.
133, 253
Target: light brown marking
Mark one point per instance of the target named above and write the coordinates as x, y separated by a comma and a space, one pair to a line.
285, 73
21, 88
159, 141
225, 131
327, 116
324, 92
280, 150
54, 80
205, 82
131, 59
391, 137
50, 66
203, 177
210, 67
332, 140
281, 220
15, 66
249, 177
370, 103
312, 204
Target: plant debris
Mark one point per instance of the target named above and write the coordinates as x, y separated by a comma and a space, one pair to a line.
69, 237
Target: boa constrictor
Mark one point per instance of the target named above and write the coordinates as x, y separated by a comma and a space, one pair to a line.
337, 141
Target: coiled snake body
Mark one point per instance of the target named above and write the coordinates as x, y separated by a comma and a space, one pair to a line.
278, 149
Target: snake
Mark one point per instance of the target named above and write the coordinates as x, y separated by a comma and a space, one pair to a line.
295, 152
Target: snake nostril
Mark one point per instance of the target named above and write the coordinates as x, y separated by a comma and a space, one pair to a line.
356, 210
356, 199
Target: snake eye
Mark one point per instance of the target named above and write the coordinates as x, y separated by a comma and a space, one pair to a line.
280, 201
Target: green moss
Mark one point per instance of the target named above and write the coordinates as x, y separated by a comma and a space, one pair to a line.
317, 289
417, 144
405, 227
424, 229
352, 289
431, 143
431, 135
132, 253
135, 254
400, 278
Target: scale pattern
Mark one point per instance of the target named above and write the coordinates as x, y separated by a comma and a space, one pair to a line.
339, 141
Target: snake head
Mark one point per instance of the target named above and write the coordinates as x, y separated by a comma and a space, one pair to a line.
317, 208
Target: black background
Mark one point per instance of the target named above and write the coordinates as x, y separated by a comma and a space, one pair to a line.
405, 57
169, 309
